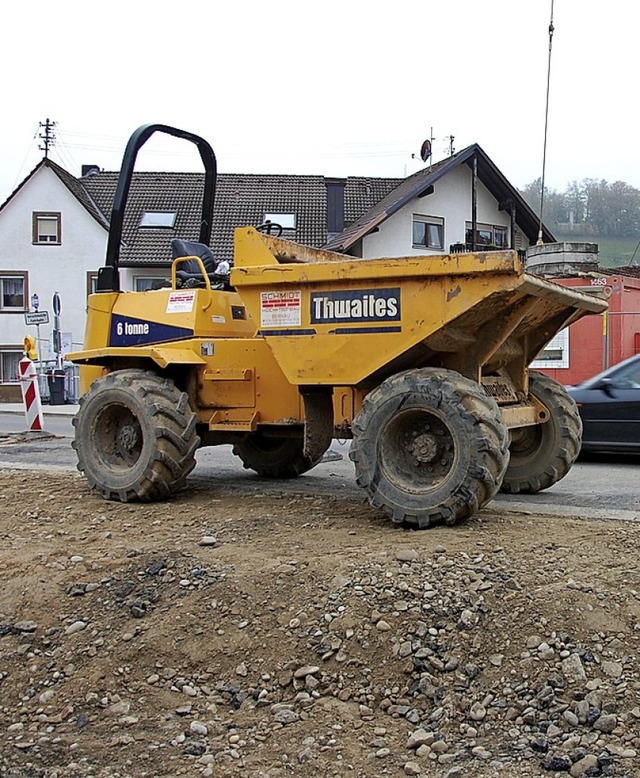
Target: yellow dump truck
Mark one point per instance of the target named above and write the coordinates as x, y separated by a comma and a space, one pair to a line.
422, 362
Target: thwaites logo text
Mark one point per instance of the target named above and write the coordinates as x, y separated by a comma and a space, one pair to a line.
355, 305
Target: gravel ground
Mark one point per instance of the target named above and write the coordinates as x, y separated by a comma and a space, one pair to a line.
258, 633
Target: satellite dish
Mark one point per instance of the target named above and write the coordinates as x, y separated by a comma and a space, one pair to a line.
425, 151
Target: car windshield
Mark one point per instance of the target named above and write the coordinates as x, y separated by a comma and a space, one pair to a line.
626, 373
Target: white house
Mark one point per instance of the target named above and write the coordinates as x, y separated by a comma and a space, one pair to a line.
51, 238
54, 229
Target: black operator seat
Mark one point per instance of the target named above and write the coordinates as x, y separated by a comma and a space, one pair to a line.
188, 273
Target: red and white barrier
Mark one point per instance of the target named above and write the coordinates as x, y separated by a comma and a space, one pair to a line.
31, 394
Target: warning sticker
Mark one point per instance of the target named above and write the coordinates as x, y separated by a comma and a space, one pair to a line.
181, 302
280, 309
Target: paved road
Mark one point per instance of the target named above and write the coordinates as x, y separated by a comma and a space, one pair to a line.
601, 488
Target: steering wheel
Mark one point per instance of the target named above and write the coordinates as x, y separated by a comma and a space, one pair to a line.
270, 228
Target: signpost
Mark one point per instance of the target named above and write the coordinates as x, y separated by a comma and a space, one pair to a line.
57, 345
37, 318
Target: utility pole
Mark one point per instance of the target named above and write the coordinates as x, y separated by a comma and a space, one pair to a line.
49, 136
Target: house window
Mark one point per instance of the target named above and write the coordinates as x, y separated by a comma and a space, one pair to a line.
555, 353
9, 361
158, 219
487, 235
286, 220
428, 232
13, 292
47, 229
146, 283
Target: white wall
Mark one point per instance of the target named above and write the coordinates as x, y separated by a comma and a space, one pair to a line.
51, 268
451, 200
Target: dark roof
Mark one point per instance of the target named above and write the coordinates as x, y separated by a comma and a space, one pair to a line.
419, 182
244, 199
241, 200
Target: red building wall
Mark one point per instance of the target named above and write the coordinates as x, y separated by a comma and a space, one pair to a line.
597, 342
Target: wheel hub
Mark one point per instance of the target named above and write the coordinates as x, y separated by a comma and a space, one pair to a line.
417, 450
423, 448
128, 437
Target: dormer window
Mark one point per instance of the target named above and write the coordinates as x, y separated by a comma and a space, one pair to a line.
162, 219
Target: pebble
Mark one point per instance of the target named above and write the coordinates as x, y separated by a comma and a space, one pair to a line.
306, 670
605, 723
573, 669
26, 626
407, 555
477, 711
208, 540
285, 716
76, 626
582, 766
198, 728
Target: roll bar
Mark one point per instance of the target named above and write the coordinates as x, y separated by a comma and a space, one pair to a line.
108, 275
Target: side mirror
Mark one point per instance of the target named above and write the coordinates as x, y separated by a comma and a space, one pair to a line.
607, 385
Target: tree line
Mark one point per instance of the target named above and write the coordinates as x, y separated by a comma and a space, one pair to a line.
589, 207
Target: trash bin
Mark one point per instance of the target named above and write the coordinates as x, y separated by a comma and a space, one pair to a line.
56, 387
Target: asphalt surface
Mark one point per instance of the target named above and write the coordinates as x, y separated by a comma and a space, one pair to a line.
595, 488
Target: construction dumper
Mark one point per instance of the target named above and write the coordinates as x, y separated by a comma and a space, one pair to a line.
422, 362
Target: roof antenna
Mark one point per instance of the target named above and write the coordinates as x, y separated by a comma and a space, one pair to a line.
546, 124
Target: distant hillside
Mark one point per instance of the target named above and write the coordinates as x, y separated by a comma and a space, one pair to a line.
612, 252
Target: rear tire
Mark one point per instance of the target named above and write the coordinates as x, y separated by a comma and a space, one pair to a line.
543, 454
135, 436
274, 457
429, 446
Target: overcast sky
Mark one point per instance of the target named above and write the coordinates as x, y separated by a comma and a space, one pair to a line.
334, 88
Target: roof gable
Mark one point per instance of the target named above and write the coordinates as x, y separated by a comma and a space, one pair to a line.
73, 184
420, 182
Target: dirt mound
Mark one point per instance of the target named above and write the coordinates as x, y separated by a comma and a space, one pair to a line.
268, 635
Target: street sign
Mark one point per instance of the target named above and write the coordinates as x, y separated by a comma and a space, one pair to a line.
37, 317
56, 304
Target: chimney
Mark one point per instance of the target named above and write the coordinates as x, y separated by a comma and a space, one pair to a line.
335, 204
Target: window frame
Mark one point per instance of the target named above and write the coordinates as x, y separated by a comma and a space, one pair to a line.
493, 229
48, 216
24, 277
92, 282
7, 349
154, 279
428, 222
158, 220
555, 354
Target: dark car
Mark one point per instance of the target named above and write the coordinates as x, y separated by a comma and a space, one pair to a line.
609, 405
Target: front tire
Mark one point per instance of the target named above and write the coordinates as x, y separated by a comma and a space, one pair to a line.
429, 446
135, 436
543, 454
